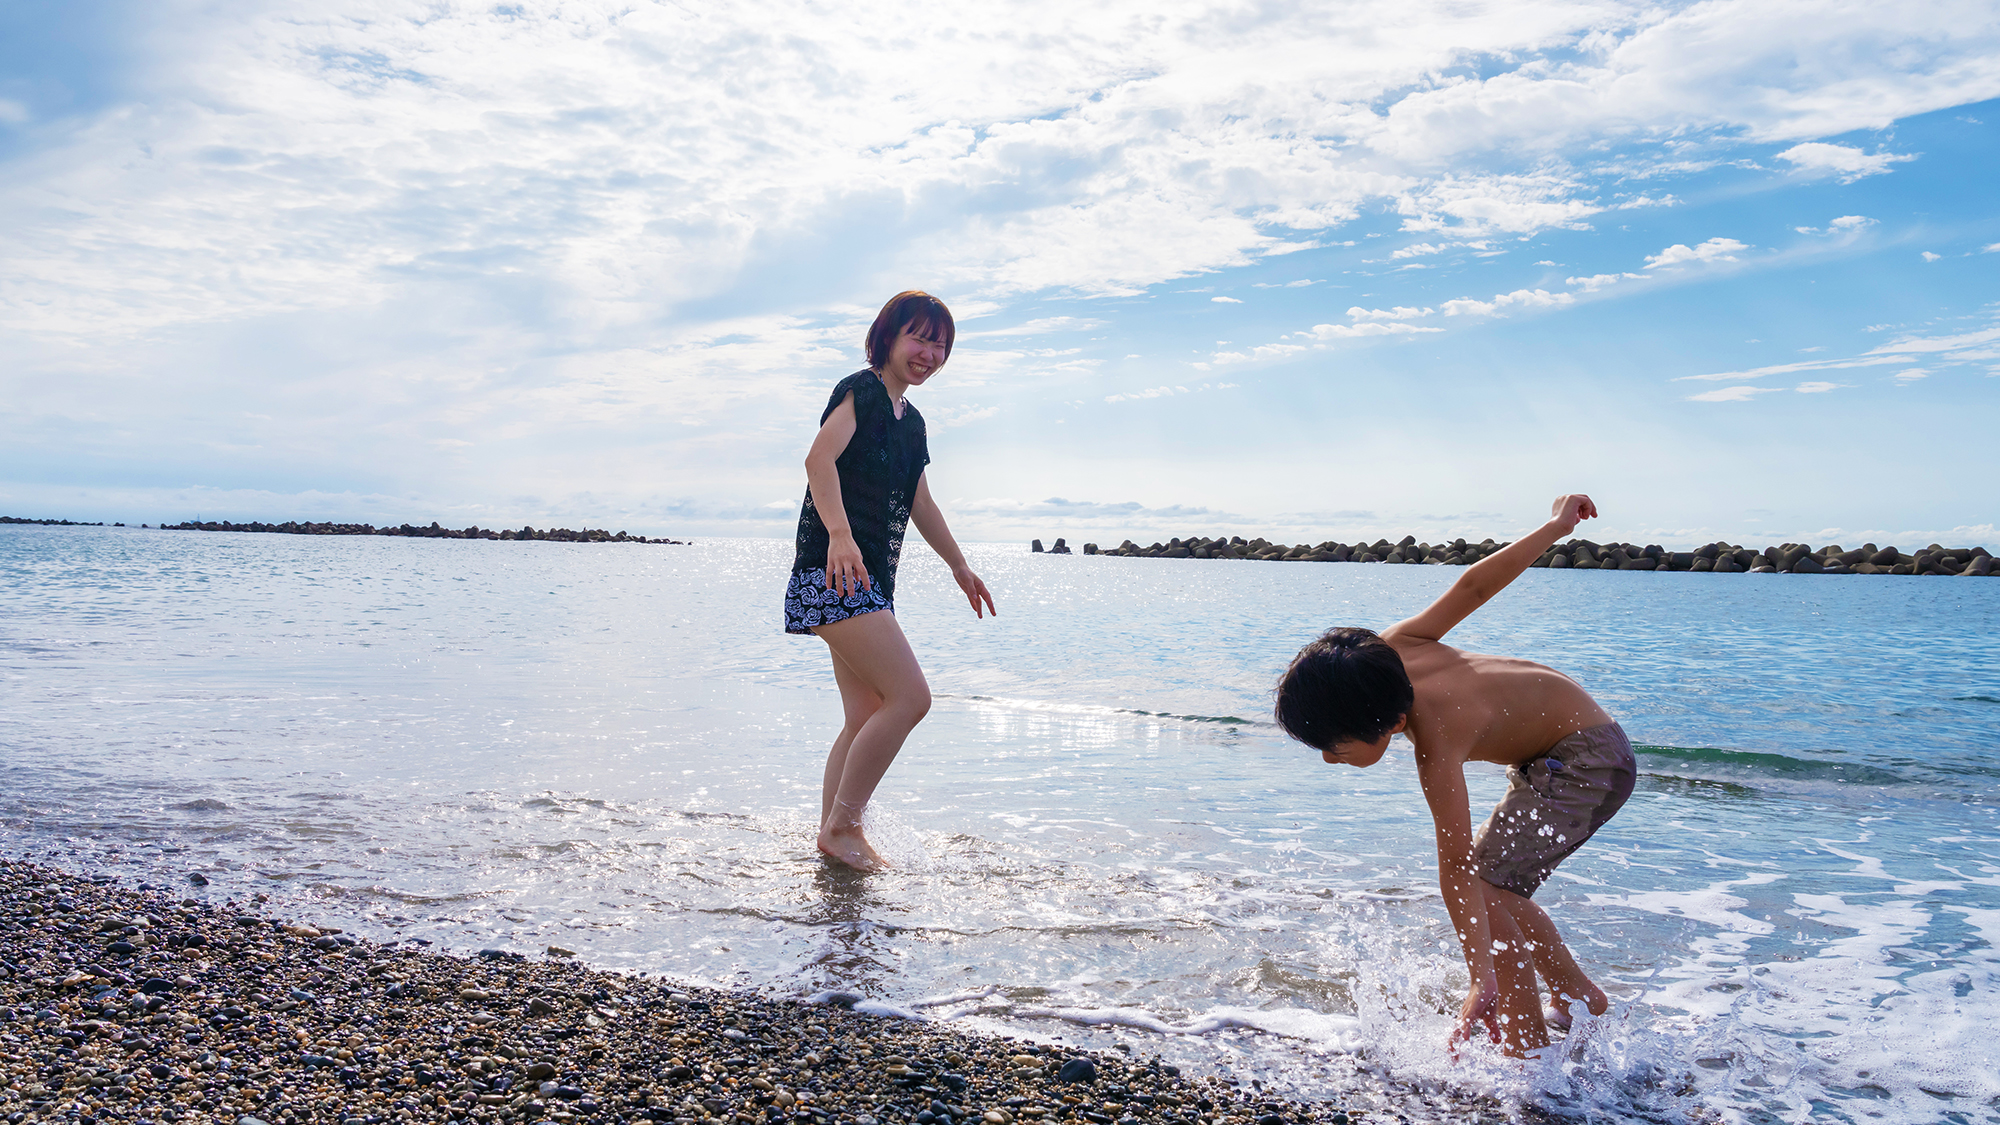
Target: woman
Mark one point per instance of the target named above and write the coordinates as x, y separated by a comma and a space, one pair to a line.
864, 484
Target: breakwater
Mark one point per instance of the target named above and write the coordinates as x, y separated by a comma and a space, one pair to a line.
434, 531
1580, 554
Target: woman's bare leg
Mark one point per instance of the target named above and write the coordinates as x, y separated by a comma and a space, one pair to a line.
882, 686
1565, 978
858, 702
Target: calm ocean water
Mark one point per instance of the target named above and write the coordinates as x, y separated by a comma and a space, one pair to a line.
1100, 838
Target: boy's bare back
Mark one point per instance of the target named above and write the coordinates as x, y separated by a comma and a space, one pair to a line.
1479, 708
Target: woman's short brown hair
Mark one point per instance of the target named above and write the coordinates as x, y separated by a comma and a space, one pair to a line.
912, 306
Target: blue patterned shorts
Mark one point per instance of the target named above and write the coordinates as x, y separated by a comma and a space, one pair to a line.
808, 603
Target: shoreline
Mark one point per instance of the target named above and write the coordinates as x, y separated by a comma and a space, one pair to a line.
141, 1005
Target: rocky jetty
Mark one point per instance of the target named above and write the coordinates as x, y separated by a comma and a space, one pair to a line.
54, 523
1583, 554
144, 1006
434, 531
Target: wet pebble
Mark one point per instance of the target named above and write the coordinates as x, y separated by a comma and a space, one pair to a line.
219, 1015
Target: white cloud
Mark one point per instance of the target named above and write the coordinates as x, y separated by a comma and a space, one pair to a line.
1367, 328
1299, 284
1791, 368
1035, 327
1519, 298
1849, 164
1400, 312
1845, 224
488, 223
14, 113
1225, 300
1990, 248
1732, 394
951, 417
1930, 257
1817, 388
1953, 343
1597, 281
1680, 254
1911, 375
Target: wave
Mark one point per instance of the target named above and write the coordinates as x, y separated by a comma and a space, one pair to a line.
1100, 710
1761, 763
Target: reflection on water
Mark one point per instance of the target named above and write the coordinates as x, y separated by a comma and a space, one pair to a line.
1098, 835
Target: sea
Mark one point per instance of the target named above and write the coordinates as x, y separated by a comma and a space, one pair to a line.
1099, 837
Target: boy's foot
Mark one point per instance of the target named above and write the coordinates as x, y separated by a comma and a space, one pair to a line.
1559, 1016
850, 847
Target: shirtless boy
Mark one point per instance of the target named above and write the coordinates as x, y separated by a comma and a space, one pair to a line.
1569, 768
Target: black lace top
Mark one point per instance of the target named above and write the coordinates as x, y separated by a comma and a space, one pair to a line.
878, 479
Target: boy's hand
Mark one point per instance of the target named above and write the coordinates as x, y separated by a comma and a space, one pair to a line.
1568, 511
1481, 1008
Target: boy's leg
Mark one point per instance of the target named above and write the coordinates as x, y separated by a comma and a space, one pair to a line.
872, 650
1519, 1009
1565, 977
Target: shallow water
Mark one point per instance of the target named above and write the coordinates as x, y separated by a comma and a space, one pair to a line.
1100, 839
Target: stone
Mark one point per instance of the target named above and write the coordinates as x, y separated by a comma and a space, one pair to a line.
1559, 561
1090, 548
1981, 567
1807, 564
1061, 548
1077, 1070
1035, 548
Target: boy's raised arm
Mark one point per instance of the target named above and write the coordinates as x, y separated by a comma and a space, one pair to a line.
1491, 574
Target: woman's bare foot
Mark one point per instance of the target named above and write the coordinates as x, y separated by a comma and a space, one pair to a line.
1559, 1015
850, 847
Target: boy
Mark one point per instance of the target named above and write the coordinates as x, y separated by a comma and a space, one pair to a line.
1569, 768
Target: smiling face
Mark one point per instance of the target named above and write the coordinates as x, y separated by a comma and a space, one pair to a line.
915, 356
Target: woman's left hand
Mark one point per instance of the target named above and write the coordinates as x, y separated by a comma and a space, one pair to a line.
975, 591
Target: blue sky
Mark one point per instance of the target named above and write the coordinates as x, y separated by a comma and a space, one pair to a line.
1303, 271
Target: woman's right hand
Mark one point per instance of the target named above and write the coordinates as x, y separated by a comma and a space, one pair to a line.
845, 572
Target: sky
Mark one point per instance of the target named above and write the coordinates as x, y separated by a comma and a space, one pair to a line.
1311, 272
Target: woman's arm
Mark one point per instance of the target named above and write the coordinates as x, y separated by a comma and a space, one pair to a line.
845, 570
1492, 574
929, 519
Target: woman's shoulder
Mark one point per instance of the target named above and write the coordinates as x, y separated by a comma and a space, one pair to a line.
862, 379
863, 385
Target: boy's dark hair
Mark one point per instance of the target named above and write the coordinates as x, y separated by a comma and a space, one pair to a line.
910, 307
1347, 686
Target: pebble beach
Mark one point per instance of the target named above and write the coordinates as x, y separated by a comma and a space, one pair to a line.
142, 1005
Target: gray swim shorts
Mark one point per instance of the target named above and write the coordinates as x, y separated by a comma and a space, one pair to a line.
1553, 804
